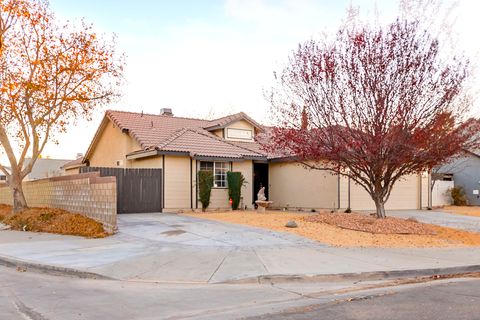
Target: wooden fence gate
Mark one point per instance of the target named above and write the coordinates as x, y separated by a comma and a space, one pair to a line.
138, 190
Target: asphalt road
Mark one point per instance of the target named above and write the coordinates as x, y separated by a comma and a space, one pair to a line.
457, 300
34, 296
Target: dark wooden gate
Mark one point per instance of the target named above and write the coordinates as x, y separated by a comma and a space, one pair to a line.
138, 190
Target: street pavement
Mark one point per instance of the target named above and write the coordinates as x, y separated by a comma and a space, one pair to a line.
172, 248
458, 299
35, 296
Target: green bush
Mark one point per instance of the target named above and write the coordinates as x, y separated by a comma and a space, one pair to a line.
458, 196
235, 182
205, 184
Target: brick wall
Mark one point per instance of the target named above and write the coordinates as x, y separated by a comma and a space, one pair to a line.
86, 193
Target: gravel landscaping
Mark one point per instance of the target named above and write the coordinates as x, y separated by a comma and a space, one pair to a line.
367, 223
352, 230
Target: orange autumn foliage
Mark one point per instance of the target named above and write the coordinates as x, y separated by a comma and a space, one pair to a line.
51, 75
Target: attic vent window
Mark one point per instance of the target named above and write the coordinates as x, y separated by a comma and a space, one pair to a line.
166, 112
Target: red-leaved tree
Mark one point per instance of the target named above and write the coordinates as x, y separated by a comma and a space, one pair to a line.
377, 102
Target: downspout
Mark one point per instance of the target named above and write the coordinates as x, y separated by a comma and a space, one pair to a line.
420, 183
338, 190
196, 185
191, 183
430, 199
163, 181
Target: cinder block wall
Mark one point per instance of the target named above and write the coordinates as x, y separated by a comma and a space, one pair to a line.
87, 194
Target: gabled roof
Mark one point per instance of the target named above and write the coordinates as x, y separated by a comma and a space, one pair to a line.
163, 134
150, 130
221, 123
201, 143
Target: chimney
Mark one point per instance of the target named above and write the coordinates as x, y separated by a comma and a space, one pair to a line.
166, 112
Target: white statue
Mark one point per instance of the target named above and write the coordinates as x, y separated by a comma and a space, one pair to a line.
261, 194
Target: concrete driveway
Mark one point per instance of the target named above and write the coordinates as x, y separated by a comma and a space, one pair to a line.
190, 231
174, 248
440, 218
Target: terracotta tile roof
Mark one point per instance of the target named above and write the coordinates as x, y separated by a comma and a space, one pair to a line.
199, 142
176, 134
224, 121
150, 130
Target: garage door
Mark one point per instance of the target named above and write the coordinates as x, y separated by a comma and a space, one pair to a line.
405, 195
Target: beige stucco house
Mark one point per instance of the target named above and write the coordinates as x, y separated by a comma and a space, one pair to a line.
183, 146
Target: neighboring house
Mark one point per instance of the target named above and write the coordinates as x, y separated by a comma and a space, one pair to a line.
183, 146
73, 166
466, 174
45, 168
3, 177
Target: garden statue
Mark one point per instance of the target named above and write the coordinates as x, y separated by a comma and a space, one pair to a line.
261, 194
262, 202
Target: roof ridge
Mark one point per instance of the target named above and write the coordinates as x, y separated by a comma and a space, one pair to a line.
157, 115
174, 136
198, 130
208, 134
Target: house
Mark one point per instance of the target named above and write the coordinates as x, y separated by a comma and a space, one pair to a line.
45, 168
465, 172
183, 146
73, 166
3, 177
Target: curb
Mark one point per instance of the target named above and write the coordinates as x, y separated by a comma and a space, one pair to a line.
362, 276
23, 266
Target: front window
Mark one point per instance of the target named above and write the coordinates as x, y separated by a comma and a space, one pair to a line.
219, 171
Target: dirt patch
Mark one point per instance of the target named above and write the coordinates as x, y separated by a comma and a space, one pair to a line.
473, 211
52, 220
337, 236
366, 223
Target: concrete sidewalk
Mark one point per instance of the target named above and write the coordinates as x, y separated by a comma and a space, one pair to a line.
172, 248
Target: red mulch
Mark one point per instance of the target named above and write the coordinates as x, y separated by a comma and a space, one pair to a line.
366, 223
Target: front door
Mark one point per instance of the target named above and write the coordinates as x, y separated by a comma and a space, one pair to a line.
260, 179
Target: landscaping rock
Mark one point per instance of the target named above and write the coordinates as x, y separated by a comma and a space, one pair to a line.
4, 227
291, 224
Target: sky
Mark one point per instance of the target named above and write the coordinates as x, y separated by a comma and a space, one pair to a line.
211, 58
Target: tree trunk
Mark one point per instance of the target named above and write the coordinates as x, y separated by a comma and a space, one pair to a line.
19, 201
380, 206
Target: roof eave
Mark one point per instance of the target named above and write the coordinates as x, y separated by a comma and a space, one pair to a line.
75, 166
245, 118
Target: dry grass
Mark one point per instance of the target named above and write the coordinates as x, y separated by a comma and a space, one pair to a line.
473, 211
52, 220
336, 236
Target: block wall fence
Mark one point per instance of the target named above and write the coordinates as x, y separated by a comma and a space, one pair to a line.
87, 194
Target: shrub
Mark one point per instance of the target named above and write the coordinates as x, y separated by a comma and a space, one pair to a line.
205, 184
458, 196
235, 182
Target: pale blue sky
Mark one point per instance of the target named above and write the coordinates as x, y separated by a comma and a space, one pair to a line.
201, 57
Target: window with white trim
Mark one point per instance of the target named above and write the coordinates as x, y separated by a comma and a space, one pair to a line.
219, 170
